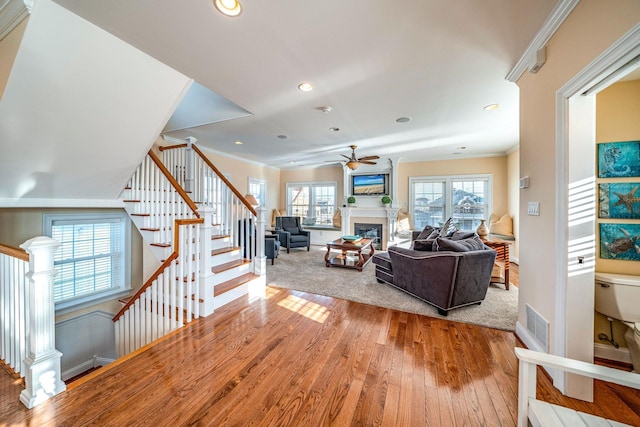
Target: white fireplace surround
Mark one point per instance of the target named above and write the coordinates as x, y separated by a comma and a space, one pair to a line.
371, 215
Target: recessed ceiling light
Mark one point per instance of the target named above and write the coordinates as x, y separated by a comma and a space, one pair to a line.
334, 129
305, 87
491, 107
455, 153
238, 142
461, 148
403, 119
325, 110
228, 7
293, 162
282, 137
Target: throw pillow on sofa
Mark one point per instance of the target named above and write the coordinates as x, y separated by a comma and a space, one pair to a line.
426, 244
461, 235
465, 245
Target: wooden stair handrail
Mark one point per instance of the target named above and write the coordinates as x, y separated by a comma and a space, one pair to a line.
14, 252
165, 264
215, 169
174, 183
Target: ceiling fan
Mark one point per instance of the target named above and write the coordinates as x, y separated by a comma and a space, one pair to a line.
353, 162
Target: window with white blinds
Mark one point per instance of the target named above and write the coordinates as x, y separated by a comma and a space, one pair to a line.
92, 260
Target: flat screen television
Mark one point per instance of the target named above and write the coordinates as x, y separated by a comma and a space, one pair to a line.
370, 184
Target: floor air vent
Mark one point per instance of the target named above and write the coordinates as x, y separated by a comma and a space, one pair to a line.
538, 327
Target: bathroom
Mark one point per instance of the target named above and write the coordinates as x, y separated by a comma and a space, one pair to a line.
617, 225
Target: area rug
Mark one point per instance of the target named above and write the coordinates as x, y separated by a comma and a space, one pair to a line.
306, 271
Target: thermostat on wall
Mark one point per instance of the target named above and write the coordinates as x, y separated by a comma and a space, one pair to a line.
524, 182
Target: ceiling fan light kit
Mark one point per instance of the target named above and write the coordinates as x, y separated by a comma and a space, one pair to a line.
354, 163
228, 7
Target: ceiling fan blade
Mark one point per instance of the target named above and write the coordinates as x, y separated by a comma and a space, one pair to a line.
369, 158
346, 157
367, 162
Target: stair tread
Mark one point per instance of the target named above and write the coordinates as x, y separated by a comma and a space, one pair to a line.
161, 245
229, 265
219, 236
233, 283
131, 201
224, 250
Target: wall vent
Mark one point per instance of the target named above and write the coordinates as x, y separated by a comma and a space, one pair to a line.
538, 327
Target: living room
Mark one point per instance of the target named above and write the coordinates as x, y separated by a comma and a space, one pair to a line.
535, 157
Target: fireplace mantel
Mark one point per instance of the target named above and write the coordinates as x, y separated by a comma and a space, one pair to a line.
375, 215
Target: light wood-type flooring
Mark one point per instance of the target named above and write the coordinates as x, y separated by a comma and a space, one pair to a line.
299, 359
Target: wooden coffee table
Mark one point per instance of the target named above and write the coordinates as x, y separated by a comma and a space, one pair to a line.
357, 260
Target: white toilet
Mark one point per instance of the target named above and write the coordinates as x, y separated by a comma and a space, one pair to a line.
618, 297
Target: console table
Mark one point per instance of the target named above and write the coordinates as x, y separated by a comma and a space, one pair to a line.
345, 247
502, 249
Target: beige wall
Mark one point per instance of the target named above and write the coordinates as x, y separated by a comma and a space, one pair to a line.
240, 171
8, 51
496, 166
20, 224
617, 119
590, 29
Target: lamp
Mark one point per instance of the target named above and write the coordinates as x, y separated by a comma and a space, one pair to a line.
250, 198
353, 165
228, 7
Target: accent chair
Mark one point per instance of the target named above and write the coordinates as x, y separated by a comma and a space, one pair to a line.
291, 234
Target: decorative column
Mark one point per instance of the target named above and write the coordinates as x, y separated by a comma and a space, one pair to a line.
42, 364
260, 267
206, 262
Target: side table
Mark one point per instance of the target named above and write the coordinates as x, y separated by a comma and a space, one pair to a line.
502, 249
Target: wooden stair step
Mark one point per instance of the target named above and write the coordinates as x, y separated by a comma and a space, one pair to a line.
233, 283
229, 265
219, 236
224, 250
149, 229
140, 214
161, 245
131, 201
124, 300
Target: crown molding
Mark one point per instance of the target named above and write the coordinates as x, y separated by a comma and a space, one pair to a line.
12, 12
557, 17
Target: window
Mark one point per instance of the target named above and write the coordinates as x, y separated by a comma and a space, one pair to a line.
258, 187
311, 200
92, 261
466, 198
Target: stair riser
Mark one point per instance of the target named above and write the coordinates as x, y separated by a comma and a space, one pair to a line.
224, 242
231, 273
225, 257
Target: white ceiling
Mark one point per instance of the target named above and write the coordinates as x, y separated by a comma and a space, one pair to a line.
437, 62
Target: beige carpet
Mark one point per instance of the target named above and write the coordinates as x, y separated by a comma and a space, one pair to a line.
305, 271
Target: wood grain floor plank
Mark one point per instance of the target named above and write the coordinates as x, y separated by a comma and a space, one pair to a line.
292, 359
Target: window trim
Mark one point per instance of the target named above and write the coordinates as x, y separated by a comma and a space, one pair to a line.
263, 188
80, 302
447, 179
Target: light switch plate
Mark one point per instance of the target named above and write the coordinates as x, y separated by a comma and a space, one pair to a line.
533, 208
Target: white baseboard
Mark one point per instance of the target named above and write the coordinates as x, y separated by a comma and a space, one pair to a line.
609, 352
85, 366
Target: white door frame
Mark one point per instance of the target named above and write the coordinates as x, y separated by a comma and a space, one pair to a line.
618, 54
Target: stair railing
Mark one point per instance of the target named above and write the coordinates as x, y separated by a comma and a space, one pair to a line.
231, 212
169, 299
27, 316
171, 296
14, 308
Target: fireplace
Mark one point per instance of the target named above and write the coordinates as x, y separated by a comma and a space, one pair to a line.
369, 231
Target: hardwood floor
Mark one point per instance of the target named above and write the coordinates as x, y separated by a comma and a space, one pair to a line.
293, 358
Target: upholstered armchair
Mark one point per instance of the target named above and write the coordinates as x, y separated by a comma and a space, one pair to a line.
271, 246
291, 233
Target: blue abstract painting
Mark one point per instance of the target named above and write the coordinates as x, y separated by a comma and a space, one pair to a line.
618, 159
619, 200
620, 241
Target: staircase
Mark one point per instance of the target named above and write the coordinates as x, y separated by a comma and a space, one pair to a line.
195, 223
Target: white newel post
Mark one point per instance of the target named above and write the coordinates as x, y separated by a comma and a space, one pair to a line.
42, 364
206, 262
260, 267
